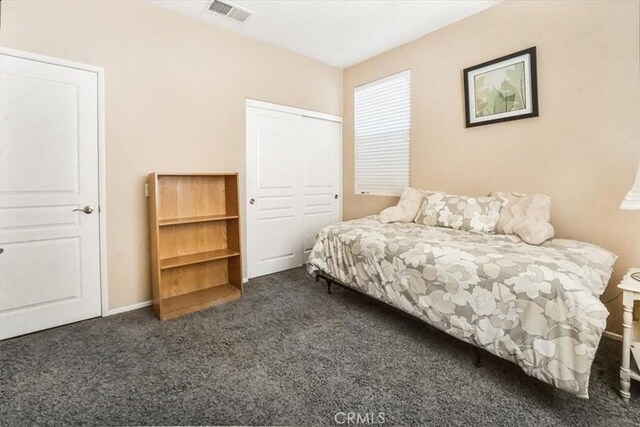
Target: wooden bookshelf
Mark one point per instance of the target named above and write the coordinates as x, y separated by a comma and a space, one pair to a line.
195, 241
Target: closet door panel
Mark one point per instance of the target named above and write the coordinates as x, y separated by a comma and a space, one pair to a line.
321, 177
273, 191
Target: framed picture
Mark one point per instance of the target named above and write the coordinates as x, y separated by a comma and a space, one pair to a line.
502, 89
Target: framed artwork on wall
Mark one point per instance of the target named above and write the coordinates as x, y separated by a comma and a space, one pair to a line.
502, 89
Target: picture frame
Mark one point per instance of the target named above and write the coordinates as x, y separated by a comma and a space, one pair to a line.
502, 89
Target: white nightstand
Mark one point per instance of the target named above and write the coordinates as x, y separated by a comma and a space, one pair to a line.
630, 334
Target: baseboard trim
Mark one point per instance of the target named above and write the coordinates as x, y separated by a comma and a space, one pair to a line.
612, 335
138, 305
126, 308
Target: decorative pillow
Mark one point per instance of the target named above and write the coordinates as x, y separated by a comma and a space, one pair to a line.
526, 216
406, 209
475, 214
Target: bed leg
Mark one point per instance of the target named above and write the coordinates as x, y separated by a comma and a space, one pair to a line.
478, 357
328, 286
317, 278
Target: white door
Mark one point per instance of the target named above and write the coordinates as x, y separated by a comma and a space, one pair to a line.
321, 183
293, 178
50, 260
273, 188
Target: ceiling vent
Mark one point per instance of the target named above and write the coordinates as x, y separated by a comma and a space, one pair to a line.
230, 11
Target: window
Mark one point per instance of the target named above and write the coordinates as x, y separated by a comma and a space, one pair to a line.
383, 135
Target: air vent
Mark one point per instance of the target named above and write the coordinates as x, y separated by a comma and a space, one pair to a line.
230, 11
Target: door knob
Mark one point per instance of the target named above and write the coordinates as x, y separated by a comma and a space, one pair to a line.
87, 209
252, 201
335, 196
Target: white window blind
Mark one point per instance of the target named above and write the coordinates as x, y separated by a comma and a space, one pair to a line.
382, 135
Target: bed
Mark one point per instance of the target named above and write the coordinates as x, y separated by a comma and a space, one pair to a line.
536, 306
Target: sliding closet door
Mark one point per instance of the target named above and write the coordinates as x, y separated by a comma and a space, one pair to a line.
274, 208
321, 182
293, 182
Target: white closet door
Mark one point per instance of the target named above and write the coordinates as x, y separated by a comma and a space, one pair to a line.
321, 182
273, 187
49, 266
293, 183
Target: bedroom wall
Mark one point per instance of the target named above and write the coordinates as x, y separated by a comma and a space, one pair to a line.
175, 101
584, 148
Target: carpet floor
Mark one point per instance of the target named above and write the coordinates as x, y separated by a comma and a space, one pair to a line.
286, 354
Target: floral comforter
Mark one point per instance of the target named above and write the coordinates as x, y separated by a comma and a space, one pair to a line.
537, 306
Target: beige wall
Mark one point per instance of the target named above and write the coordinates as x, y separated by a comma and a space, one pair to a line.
175, 101
584, 148
175, 92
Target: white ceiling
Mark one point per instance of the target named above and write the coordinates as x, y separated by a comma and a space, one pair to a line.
337, 32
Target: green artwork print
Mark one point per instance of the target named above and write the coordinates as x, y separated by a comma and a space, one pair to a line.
500, 91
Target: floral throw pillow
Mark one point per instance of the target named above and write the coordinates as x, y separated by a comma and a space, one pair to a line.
474, 214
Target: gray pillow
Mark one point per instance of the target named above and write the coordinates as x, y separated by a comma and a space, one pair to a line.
474, 214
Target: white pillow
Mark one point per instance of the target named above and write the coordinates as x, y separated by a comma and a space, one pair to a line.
526, 216
406, 209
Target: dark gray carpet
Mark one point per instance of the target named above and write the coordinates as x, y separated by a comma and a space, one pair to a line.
287, 353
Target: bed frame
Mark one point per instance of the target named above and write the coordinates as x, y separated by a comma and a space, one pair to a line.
333, 281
